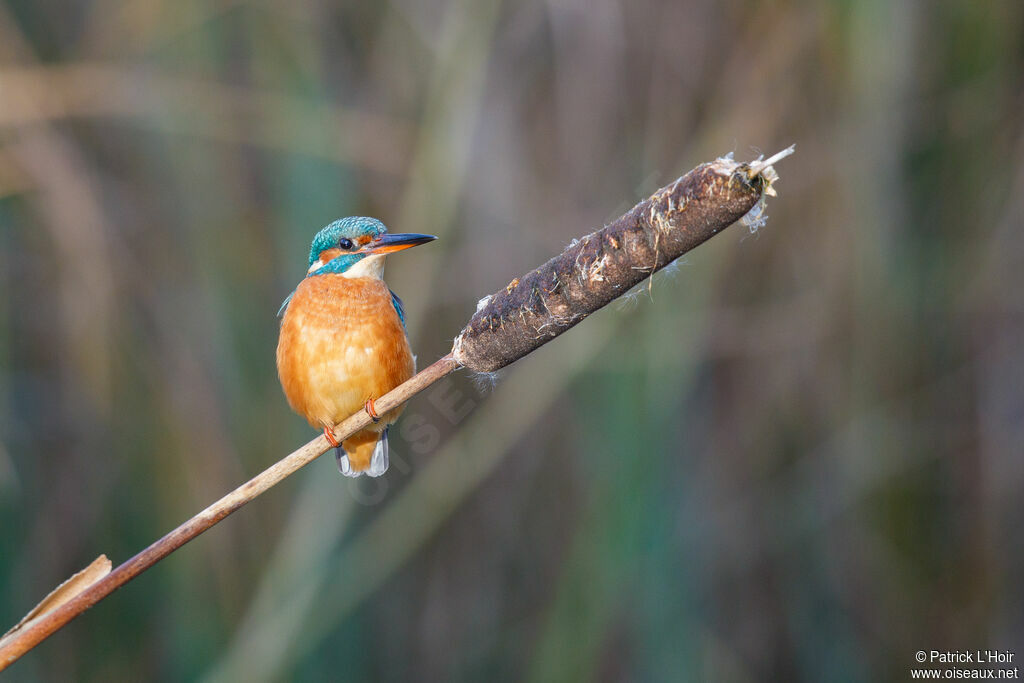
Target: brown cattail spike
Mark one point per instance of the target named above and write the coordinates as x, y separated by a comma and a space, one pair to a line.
594, 270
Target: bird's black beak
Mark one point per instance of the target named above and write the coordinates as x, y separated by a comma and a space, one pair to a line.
388, 242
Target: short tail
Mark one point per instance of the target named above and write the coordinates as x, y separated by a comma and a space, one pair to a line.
365, 452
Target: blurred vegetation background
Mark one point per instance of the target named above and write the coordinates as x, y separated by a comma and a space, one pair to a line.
799, 457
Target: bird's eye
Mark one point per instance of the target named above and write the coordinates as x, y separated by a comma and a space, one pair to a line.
345, 243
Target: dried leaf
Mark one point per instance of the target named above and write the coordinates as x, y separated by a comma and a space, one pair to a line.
99, 568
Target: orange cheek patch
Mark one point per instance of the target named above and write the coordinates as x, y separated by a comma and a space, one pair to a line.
328, 255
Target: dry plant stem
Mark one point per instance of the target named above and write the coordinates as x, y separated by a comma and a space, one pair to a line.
535, 308
21, 641
527, 313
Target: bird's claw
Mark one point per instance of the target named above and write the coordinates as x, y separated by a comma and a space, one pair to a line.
370, 410
329, 435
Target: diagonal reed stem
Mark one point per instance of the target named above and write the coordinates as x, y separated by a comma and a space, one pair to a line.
23, 639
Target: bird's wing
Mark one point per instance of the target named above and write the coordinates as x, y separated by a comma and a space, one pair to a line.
399, 308
288, 300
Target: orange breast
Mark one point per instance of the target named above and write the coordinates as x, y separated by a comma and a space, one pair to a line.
341, 343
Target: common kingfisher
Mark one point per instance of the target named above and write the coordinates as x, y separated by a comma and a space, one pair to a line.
343, 341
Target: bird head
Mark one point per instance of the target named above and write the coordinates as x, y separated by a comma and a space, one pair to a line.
356, 246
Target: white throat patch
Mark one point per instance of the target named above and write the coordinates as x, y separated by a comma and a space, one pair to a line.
371, 266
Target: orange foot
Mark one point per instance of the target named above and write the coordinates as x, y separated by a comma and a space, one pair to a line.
329, 435
370, 410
